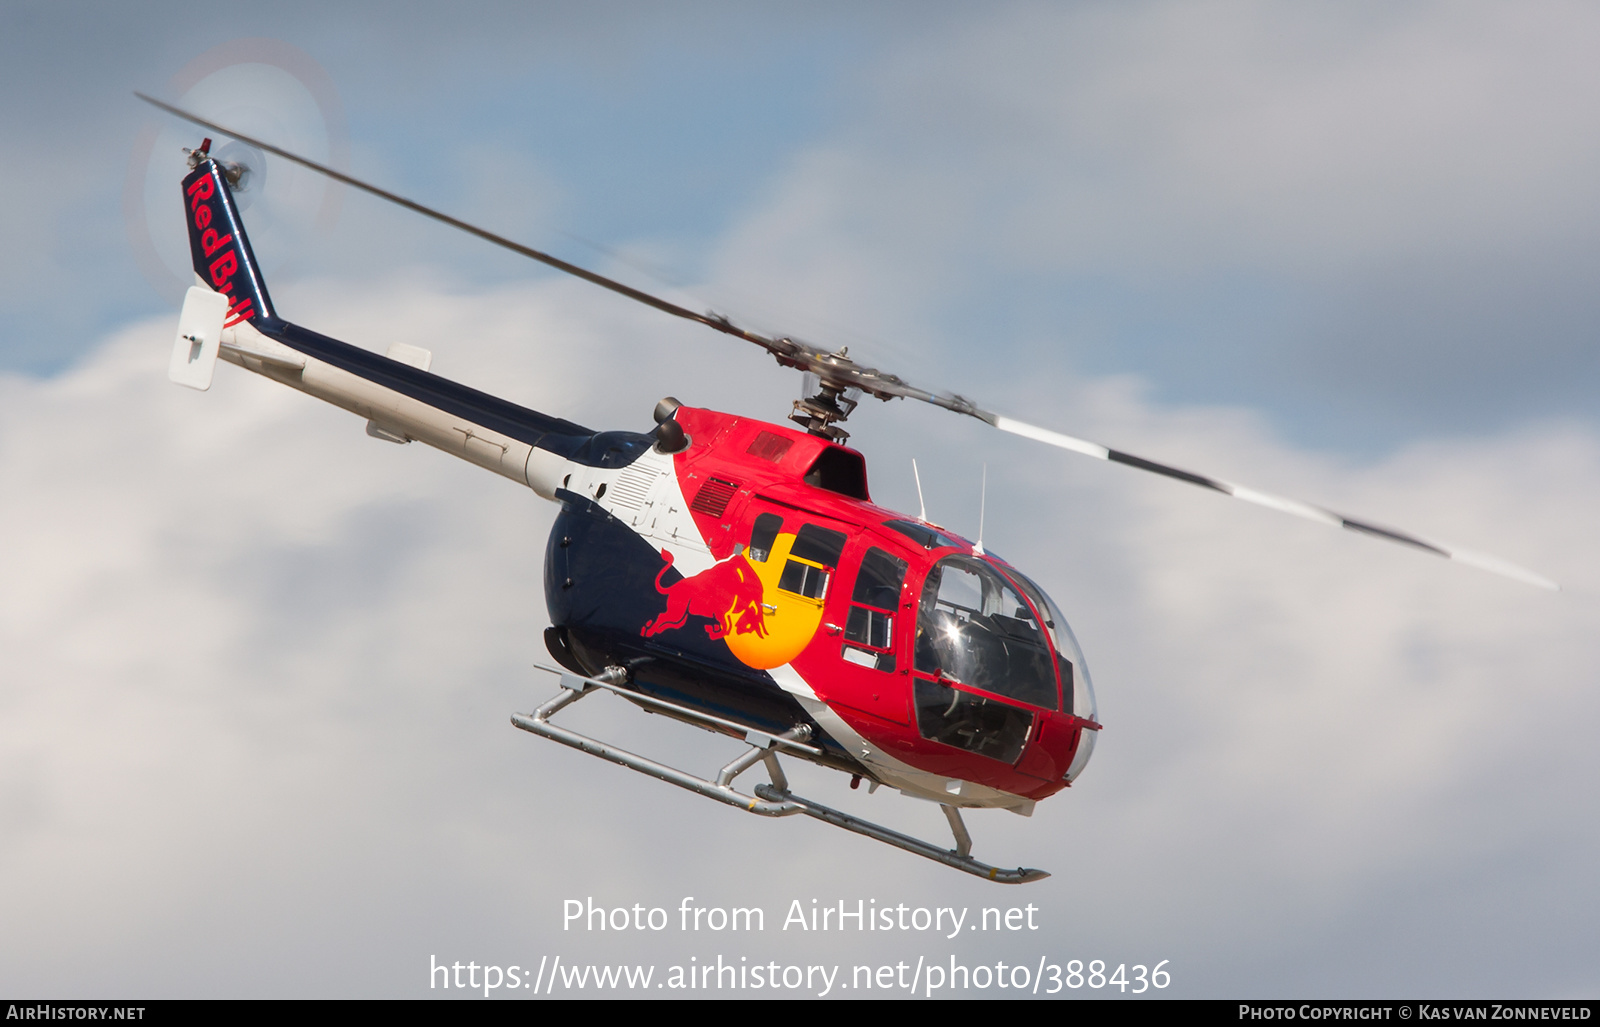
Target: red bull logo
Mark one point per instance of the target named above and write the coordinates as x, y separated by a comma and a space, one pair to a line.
728, 593
763, 625
216, 252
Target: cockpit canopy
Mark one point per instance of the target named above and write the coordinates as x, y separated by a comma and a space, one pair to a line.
974, 628
981, 628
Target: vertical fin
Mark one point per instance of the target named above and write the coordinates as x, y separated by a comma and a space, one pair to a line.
222, 257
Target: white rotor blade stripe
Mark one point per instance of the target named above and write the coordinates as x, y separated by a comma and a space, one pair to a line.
1288, 506
1495, 565
1053, 438
1482, 561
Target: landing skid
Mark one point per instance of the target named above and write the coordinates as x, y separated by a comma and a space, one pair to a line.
770, 800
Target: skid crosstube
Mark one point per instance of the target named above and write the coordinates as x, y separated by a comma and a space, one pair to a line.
771, 800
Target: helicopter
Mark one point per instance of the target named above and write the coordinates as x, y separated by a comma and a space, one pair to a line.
728, 572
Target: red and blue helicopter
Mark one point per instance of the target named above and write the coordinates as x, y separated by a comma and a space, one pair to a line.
729, 572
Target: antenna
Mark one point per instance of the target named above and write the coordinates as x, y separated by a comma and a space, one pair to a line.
983, 492
922, 508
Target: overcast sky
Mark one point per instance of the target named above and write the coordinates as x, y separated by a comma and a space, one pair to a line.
256, 668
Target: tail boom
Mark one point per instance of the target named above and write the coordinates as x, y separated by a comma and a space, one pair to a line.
402, 402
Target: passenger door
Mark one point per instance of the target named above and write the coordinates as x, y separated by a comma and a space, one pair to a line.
872, 674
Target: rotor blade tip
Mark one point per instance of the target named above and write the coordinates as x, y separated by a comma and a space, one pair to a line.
1504, 568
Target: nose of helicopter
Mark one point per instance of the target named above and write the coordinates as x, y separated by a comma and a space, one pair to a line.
1000, 672
1080, 759
1076, 686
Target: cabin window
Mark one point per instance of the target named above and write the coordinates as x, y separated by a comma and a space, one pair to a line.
818, 545
811, 562
924, 536
870, 627
763, 535
878, 583
804, 579
869, 630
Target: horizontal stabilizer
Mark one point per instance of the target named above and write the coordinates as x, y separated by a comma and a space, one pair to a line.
412, 356
194, 351
283, 358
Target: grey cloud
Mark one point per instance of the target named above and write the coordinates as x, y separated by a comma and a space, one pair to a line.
257, 669
1373, 222
616, 121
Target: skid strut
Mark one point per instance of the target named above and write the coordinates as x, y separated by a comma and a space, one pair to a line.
771, 800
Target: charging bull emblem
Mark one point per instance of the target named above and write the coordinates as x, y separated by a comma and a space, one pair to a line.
729, 594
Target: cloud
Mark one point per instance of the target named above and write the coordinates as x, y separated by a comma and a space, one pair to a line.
257, 667
1372, 222
1307, 138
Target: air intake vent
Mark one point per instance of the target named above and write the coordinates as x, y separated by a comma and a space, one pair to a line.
840, 470
632, 486
713, 497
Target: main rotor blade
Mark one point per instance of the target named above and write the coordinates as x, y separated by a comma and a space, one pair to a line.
1482, 561
839, 370
777, 346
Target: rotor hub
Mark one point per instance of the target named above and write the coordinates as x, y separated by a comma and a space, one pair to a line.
818, 414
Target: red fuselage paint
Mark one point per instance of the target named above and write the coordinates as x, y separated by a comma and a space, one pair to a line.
876, 704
